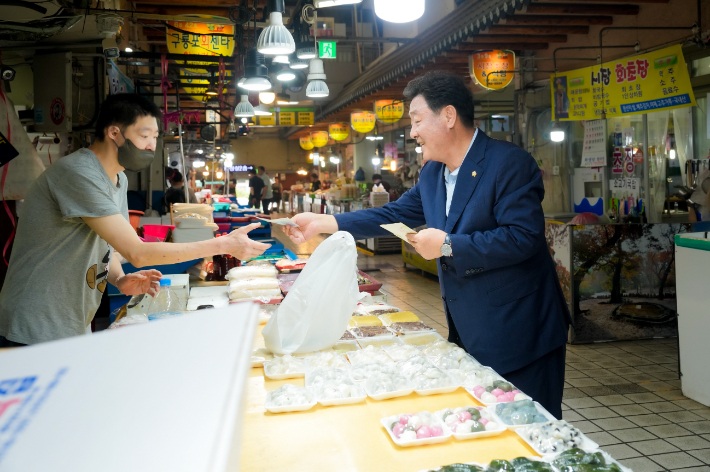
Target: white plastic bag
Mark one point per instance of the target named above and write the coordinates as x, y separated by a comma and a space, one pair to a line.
317, 309
23, 170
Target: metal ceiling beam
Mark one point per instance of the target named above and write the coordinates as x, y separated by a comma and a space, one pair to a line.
584, 20
576, 8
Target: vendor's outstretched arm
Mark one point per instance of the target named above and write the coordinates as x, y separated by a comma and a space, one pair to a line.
363, 223
116, 231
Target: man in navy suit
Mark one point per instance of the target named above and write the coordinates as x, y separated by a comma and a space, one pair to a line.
481, 201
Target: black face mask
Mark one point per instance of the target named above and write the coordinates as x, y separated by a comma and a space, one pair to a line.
132, 158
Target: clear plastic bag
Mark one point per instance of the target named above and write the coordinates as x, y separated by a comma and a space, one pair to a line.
252, 271
315, 313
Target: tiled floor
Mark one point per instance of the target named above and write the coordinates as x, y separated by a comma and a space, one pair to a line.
624, 395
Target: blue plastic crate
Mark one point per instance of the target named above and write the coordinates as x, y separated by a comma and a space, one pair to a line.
220, 214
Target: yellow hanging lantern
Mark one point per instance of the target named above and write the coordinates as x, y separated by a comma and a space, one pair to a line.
363, 121
306, 143
319, 138
339, 131
389, 111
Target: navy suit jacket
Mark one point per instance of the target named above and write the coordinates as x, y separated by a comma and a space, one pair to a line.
500, 286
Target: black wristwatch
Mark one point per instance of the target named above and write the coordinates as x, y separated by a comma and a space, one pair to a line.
446, 247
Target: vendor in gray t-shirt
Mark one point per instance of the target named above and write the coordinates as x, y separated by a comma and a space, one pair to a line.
75, 220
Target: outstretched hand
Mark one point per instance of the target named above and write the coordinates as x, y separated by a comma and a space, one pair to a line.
240, 246
310, 225
137, 283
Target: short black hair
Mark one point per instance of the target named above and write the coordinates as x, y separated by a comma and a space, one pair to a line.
376, 177
262, 168
251, 172
441, 89
124, 109
176, 177
315, 176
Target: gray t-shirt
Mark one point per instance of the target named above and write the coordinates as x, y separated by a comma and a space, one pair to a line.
269, 191
59, 266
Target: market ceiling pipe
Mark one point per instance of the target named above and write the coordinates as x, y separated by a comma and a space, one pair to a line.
694, 29
23, 4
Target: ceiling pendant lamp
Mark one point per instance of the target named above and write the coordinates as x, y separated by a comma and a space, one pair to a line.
262, 110
317, 88
282, 59
267, 97
306, 51
244, 108
256, 73
275, 39
296, 63
285, 75
399, 11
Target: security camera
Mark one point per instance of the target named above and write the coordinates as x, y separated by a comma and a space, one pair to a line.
8, 73
111, 50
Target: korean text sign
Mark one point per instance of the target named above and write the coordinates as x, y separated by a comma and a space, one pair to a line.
640, 84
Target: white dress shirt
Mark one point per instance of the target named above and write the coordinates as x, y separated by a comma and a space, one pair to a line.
450, 177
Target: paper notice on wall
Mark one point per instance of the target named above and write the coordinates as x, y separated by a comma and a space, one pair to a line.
594, 151
627, 186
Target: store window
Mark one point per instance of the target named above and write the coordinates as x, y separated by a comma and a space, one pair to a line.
701, 129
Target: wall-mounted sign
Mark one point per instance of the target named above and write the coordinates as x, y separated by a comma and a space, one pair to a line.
389, 111
363, 121
267, 120
306, 143
493, 69
287, 118
319, 138
241, 168
198, 86
640, 84
339, 131
327, 50
201, 39
305, 118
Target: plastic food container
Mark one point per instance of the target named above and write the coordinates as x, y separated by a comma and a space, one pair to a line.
298, 370
368, 355
343, 347
607, 458
421, 339
291, 391
540, 409
401, 351
362, 372
557, 429
373, 391
446, 384
369, 332
379, 341
379, 309
485, 412
356, 393
259, 356
361, 321
389, 421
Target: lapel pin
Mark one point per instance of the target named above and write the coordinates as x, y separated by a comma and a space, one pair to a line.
474, 173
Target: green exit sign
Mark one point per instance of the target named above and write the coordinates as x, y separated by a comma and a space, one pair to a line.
327, 50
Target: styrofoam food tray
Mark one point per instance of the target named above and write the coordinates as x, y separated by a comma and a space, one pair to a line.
465, 463
513, 427
386, 422
436, 391
481, 434
587, 444
388, 395
345, 401
260, 362
289, 408
549, 458
407, 338
292, 375
470, 392
378, 341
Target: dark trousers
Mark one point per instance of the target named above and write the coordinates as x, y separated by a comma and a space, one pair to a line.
4, 342
254, 202
543, 379
265, 202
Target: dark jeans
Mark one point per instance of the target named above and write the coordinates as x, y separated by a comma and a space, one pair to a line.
265, 202
254, 202
4, 342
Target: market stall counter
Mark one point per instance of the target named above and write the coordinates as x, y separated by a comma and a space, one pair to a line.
351, 438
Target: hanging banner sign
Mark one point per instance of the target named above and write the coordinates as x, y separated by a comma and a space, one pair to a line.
363, 121
306, 143
198, 87
269, 120
305, 118
389, 111
339, 131
201, 39
287, 118
640, 84
493, 69
319, 138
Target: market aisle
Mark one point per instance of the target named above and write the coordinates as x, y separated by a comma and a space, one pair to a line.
624, 395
